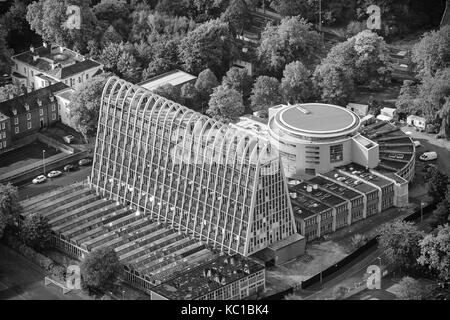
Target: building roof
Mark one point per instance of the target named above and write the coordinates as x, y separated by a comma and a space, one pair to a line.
67, 62
318, 195
175, 78
31, 98
362, 173
355, 184
66, 94
208, 277
335, 188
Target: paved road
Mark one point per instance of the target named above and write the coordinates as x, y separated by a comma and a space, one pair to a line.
22, 280
31, 190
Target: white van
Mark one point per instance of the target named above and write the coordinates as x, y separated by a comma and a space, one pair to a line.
428, 156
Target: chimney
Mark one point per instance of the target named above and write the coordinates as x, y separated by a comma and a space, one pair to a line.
10, 96
315, 187
61, 49
309, 189
32, 48
44, 44
35, 57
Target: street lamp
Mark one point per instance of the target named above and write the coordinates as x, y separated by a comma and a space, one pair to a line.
43, 160
379, 258
421, 211
123, 295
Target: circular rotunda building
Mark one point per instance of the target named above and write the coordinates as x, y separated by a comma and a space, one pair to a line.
315, 138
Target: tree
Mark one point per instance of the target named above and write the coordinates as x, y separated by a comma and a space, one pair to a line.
225, 104
119, 59
164, 59
210, 45
435, 252
238, 79
363, 57
409, 289
265, 93
9, 203
111, 36
205, 83
100, 268
400, 242
438, 185
85, 106
5, 54
48, 19
296, 85
111, 10
237, 15
441, 214
3, 225
432, 52
358, 240
170, 92
189, 95
36, 231
294, 39
334, 84
172, 7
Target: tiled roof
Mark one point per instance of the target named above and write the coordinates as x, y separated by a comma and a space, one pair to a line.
31, 99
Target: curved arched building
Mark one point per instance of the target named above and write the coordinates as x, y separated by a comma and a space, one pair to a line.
220, 184
316, 138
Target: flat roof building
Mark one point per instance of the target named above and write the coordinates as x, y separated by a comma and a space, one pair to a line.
175, 78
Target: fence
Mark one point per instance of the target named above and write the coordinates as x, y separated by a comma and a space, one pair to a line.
372, 243
68, 247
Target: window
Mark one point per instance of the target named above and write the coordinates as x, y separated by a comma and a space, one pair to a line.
4, 135
29, 125
28, 116
16, 120
310, 171
87, 76
53, 116
4, 144
53, 107
336, 153
41, 112
79, 79
32, 73
3, 126
17, 130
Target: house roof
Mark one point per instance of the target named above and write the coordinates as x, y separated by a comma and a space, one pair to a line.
68, 62
31, 98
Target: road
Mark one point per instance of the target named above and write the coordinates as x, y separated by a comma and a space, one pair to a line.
30, 190
20, 279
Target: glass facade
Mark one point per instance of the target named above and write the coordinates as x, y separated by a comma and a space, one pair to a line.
223, 186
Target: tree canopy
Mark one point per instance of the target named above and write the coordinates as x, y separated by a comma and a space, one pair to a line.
265, 93
435, 252
210, 45
85, 105
438, 185
432, 52
36, 232
225, 104
293, 39
9, 206
296, 84
334, 83
400, 242
410, 289
100, 268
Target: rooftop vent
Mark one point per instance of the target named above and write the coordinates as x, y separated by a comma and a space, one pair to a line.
309, 189
315, 186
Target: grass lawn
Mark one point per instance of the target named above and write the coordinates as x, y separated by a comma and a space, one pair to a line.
26, 155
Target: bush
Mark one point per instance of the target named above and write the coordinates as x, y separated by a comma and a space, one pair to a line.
58, 272
44, 262
358, 240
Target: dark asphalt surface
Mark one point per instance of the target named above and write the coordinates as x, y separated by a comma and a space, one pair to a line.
20, 279
30, 190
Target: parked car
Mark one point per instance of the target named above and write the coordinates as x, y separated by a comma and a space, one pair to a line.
69, 139
70, 167
39, 179
428, 156
85, 162
54, 174
399, 156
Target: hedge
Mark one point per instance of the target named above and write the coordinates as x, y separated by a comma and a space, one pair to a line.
44, 262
